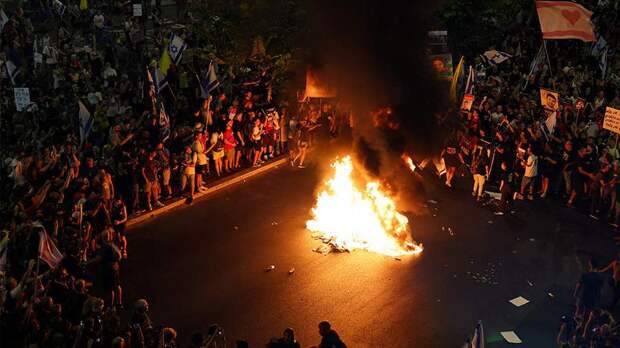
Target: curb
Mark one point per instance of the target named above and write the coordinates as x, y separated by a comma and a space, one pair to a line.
217, 186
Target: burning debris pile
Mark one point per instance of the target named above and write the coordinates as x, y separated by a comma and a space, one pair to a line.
346, 217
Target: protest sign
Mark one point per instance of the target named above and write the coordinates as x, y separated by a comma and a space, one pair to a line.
468, 101
612, 120
22, 98
442, 63
137, 10
549, 99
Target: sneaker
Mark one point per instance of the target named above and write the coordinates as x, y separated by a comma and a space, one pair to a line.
592, 216
301, 166
499, 213
149, 207
159, 204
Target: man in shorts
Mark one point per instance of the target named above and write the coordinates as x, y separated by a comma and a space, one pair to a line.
188, 171
151, 184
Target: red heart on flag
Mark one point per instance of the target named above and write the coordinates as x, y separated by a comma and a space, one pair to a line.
571, 16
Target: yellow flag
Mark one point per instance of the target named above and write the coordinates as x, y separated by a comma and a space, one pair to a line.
164, 62
83, 5
455, 80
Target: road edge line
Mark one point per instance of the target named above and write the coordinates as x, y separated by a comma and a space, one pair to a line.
226, 182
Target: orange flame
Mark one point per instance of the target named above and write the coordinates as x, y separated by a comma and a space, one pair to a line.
409, 162
367, 219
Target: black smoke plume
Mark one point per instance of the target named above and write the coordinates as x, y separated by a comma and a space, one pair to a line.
375, 52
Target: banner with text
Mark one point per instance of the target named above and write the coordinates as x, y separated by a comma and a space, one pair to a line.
22, 98
612, 120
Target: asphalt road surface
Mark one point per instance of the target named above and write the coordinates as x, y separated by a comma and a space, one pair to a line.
206, 263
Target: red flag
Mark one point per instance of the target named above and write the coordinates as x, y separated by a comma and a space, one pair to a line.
565, 20
48, 252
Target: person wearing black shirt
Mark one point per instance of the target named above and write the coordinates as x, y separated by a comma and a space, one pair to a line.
286, 341
580, 176
588, 290
451, 158
548, 165
506, 188
480, 170
329, 337
567, 161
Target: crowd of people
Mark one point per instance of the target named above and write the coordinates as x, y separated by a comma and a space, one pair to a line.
75, 184
90, 150
530, 145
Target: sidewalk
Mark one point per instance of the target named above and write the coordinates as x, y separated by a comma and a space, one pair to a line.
212, 188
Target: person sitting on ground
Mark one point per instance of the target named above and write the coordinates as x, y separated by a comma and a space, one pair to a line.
329, 337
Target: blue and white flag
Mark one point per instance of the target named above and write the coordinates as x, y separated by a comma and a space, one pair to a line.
11, 71
209, 82
59, 7
86, 122
477, 341
602, 63
157, 81
164, 122
599, 46
3, 19
176, 46
471, 81
495, 57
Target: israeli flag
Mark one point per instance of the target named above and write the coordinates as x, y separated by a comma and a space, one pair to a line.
176, 48
599, 46
86, 122
209, 82
3, 19
59, 7
157, 80
11, 71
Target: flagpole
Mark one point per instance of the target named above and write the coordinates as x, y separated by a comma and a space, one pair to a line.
548, 60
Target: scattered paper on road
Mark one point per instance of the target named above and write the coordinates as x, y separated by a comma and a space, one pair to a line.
511, 337
519, 301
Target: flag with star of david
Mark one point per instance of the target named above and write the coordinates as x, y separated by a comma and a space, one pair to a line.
176, 46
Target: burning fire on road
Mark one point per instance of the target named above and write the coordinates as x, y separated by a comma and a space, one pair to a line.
348, 216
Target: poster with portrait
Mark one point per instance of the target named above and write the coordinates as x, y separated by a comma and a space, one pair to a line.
580, 104
442, 64
468, 101
550, 100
